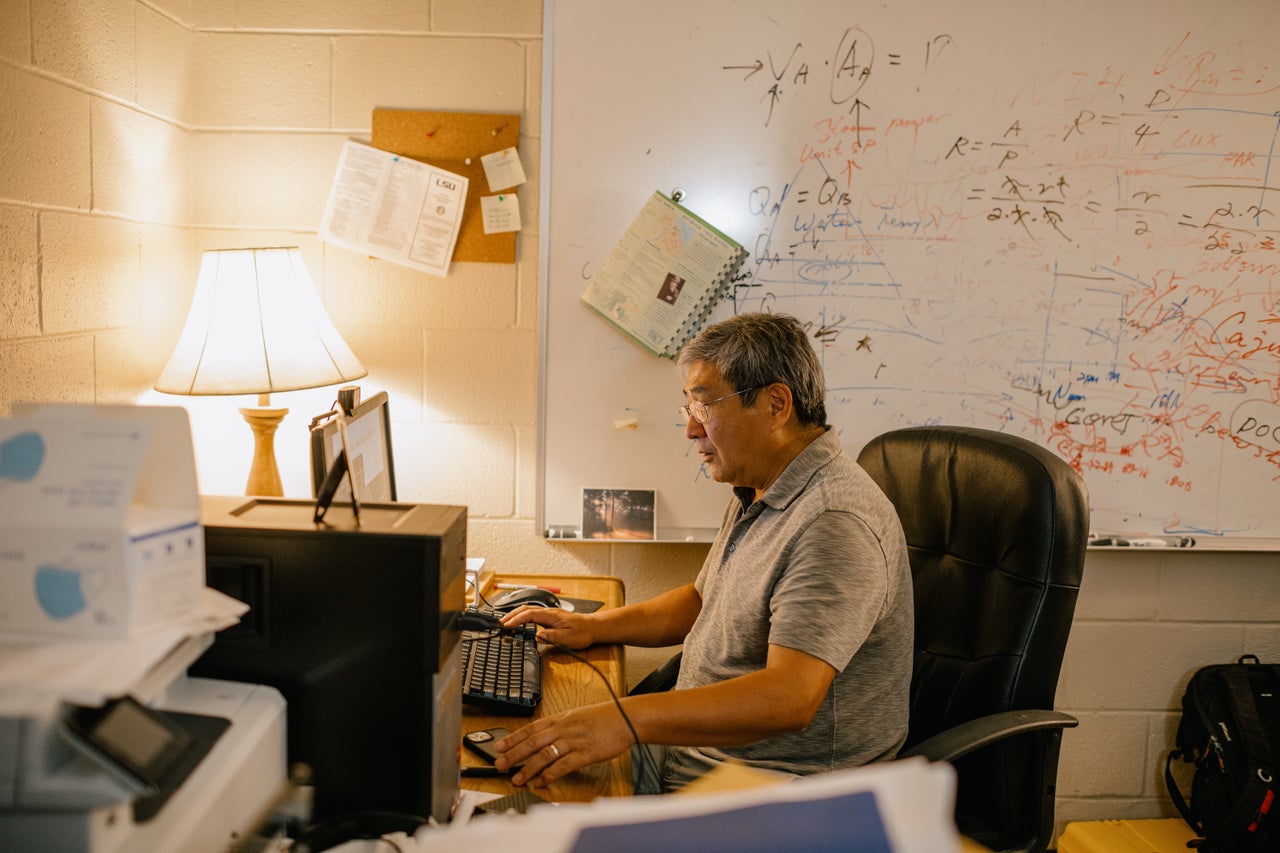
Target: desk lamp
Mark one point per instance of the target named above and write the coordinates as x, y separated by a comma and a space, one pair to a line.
256, 326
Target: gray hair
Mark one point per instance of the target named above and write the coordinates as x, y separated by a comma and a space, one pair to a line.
755, 350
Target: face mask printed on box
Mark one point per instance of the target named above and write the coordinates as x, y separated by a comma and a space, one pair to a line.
64, 592
21, 456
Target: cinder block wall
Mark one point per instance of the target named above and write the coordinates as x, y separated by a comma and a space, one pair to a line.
133, 135
95, 203
1145, 621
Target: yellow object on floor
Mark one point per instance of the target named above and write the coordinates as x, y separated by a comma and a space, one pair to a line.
1126, 836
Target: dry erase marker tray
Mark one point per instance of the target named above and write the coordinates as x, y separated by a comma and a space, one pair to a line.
1142, 542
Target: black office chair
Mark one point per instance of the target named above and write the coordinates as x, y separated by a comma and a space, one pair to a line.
996, 528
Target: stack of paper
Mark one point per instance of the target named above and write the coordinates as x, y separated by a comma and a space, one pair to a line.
892, 807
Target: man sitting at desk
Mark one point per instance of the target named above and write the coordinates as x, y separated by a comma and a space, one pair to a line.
798, 630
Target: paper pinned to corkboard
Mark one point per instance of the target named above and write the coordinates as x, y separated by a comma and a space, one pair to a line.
456, 141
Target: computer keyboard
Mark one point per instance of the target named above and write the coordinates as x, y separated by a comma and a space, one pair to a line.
502, 672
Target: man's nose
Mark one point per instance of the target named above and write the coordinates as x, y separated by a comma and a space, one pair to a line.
693, 429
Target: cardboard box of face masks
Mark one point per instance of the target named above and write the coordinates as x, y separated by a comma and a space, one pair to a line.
99, 519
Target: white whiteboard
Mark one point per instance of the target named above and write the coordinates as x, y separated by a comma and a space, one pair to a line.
1054, 219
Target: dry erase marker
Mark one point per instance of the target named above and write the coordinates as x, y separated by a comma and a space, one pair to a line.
1166, 542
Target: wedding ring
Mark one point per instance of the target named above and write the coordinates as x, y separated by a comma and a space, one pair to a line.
555, 752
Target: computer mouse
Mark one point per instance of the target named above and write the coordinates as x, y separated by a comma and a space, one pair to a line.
513, 598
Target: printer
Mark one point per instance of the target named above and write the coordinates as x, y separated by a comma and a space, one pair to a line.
175, 764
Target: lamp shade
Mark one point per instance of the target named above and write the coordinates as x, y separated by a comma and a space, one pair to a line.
256, 326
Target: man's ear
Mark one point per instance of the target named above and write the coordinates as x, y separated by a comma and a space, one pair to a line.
780, 402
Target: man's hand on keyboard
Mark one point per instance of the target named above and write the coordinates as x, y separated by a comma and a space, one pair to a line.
556, 746
571, 630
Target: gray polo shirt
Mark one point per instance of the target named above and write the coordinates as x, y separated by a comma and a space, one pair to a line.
818, 564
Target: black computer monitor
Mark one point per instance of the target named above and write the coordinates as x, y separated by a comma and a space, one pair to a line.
369, 451
357, 627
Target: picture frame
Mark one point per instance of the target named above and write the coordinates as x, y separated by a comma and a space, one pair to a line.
623, 515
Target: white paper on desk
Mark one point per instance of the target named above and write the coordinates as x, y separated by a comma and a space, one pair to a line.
912, 803
90, 671
395, 208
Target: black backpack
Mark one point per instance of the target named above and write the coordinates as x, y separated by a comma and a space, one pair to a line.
1230, 731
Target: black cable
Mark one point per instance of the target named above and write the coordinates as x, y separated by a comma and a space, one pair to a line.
493, 626
475, 621
645, 755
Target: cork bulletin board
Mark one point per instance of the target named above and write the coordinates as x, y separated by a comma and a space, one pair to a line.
456, 141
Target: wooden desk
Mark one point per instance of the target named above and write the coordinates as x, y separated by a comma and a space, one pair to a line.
566, 683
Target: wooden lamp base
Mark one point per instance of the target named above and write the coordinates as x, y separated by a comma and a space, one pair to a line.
264, 474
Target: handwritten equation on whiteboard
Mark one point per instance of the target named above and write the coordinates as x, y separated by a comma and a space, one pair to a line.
1088, 259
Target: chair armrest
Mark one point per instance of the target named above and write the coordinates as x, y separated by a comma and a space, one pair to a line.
966, 737
662, 679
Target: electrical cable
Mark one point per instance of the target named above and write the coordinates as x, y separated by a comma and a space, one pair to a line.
644, 752
646, 758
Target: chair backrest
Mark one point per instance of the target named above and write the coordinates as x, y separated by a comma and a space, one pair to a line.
997, 528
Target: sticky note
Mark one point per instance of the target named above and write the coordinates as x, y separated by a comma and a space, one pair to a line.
502, 169
500, 213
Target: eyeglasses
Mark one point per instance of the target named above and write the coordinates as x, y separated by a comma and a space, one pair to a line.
697, 409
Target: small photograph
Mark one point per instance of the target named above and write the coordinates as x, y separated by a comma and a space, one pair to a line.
671, 288
626, 514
